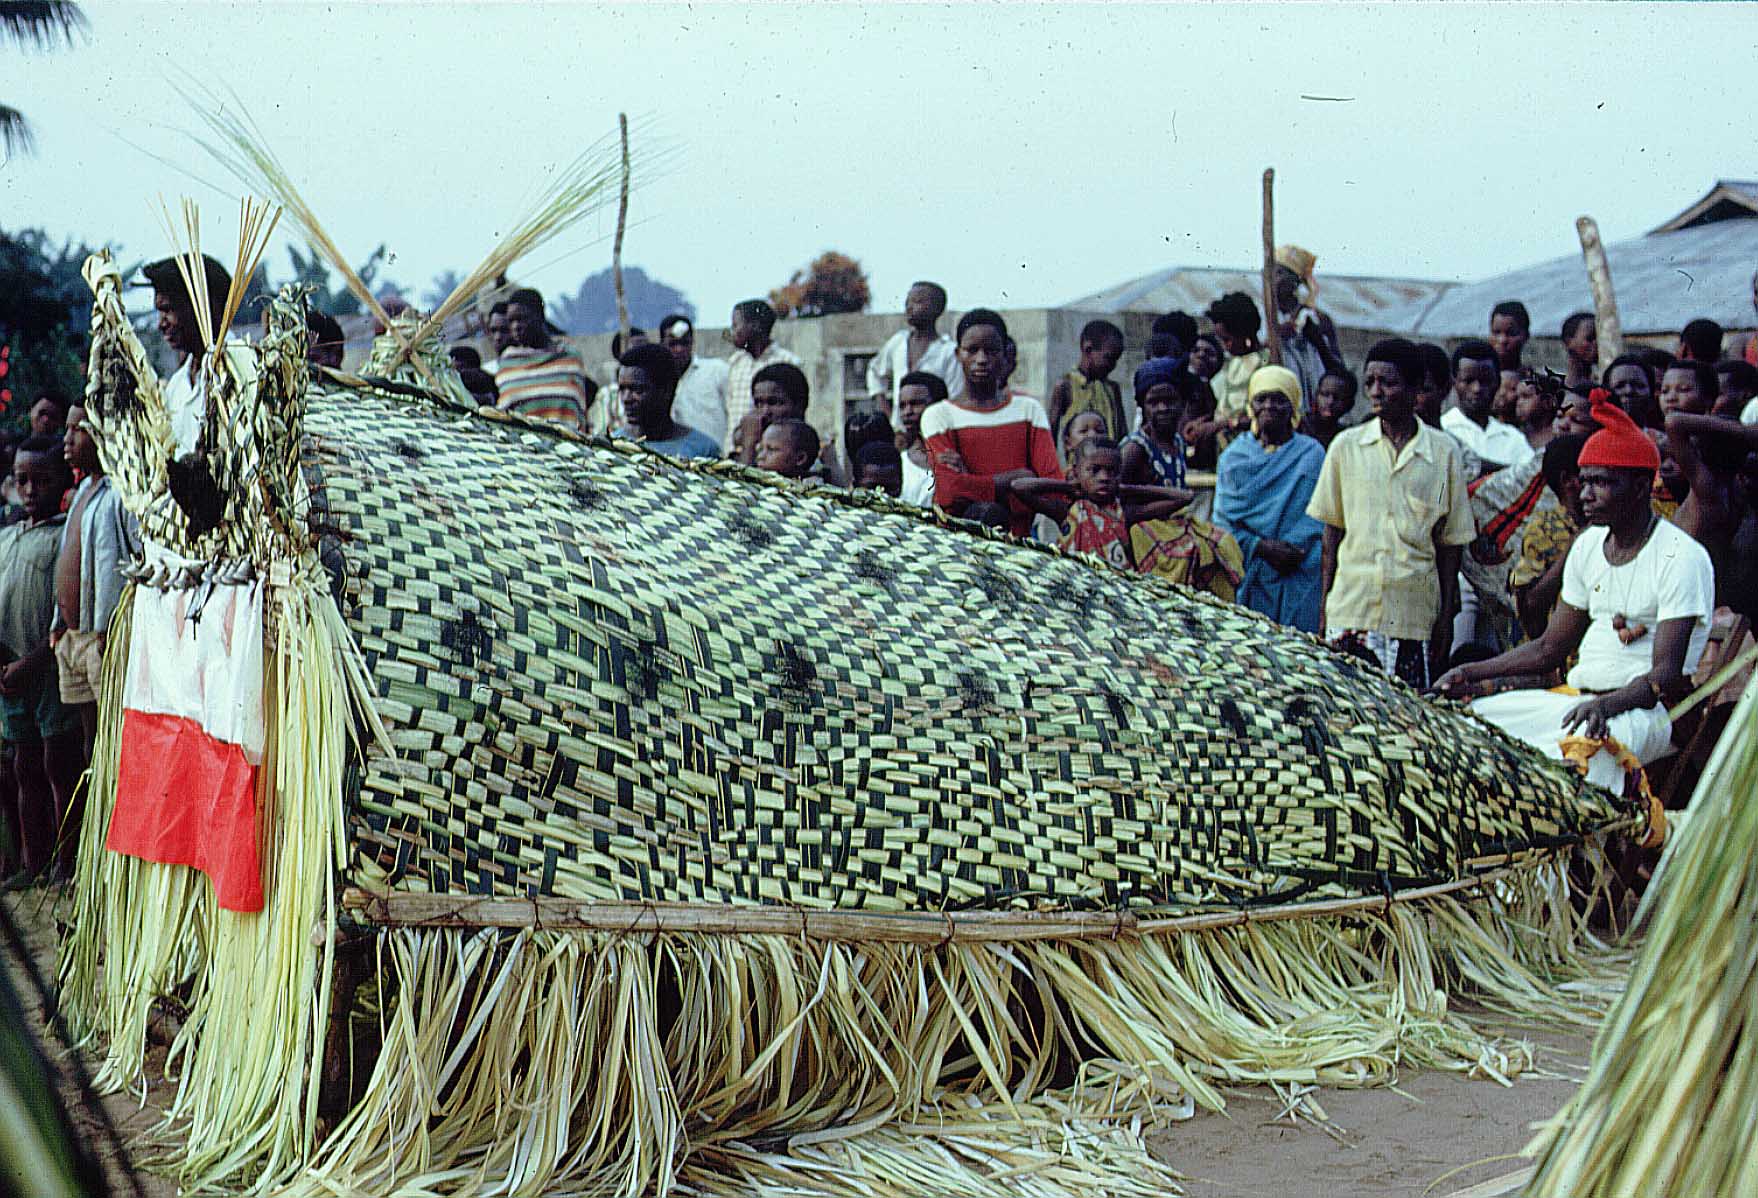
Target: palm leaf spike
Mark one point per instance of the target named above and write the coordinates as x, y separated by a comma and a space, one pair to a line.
187, 246
241, 148
256, 224
582, 187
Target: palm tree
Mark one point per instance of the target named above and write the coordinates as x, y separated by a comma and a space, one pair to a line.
33, 23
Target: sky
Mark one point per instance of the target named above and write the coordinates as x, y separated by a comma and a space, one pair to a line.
1022, 155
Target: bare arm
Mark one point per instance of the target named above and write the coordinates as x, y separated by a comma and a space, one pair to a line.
1136, 468
1440, 637
1685, 424
1047, 496
1152, 502
1328, 558
1058, 406
1561, 637
1536, 598
1665, 680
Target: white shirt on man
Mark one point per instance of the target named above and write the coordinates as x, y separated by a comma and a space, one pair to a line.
918, 483
1496, 441
701, 398
885, 372
185, 404
1671, 578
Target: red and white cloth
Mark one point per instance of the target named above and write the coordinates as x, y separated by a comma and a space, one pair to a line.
192, 736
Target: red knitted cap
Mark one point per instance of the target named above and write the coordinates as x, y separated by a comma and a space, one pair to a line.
1618, 442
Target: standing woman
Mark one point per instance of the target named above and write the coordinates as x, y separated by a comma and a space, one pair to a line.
980, 442
1266, 478
1237, 323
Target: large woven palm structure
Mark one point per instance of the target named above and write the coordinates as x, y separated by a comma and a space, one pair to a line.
650, 826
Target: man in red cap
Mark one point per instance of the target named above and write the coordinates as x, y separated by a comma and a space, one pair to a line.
1636, 604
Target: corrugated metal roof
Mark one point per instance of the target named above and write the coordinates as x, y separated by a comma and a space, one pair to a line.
1353, 301
1729, 199
1662, 281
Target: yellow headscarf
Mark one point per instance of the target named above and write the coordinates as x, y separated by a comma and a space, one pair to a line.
1274, 378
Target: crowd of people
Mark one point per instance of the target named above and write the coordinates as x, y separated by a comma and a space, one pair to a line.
1474, 532
1559, 548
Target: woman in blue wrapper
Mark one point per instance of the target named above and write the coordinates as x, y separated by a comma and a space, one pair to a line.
1266, 478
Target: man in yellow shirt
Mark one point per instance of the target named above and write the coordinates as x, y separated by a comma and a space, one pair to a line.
1392, 497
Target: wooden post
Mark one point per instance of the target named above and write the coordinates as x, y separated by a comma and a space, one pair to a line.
1605, 301
1272, 318
616, 253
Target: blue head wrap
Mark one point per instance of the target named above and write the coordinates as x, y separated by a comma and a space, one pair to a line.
1154, 371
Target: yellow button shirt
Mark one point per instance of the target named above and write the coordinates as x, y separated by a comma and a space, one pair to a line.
1393, 510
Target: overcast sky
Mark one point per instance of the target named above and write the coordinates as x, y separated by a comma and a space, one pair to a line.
1022, 155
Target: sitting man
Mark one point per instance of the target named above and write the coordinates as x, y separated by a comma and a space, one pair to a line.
1636, 601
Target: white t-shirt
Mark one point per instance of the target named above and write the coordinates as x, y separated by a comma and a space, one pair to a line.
1749, 413
918, 483
186, 406
1496, 442
701, 398
1670, 579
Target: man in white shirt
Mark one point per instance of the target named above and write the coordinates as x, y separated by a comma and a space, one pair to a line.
181, 390
700, 401
1475, 379
753, 322
920, 345
1637, 600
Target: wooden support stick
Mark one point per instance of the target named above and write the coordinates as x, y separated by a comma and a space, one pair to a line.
616, 253
1272, 318
1605, 301
904, 927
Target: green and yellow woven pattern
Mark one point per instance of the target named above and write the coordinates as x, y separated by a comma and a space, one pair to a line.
613, 677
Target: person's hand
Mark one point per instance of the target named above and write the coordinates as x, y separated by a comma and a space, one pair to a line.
55, 635
1240, 422
13, 679
1591, 719
1283, 557
1456, 683
1004, 481
745, 439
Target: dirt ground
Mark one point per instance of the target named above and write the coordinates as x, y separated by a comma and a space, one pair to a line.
1436, 1135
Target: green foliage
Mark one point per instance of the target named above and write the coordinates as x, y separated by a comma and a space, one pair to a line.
33, 24
45, 312
328, 295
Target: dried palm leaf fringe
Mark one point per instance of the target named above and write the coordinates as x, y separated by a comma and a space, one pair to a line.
549, 1062
1670, 1104
256, 987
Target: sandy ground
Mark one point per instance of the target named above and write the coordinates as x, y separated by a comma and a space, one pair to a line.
1436, 1134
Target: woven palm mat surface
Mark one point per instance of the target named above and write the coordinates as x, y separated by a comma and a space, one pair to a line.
613, 677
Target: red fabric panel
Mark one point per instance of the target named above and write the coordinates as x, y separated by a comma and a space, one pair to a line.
185, 798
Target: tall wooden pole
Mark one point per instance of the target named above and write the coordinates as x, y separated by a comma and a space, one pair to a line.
1272, 318
616, 253
1605, 301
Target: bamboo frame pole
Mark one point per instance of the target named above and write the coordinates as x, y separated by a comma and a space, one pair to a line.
561, 914
1272, 318
616, 254
1605, 300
